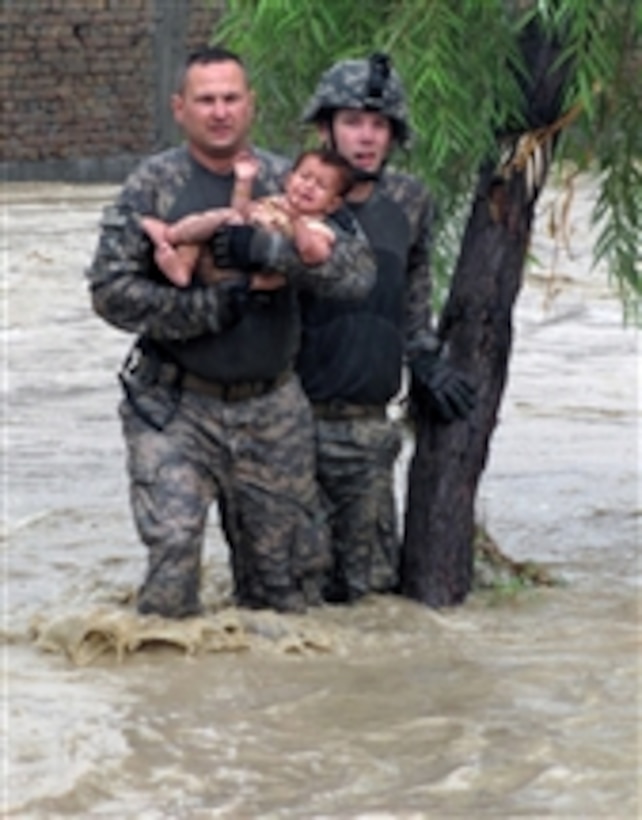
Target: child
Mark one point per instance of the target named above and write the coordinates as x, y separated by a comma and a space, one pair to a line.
314, 189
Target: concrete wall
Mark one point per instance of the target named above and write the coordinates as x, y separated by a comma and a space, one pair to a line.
85, 84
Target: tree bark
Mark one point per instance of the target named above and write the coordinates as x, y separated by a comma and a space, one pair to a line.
476, 326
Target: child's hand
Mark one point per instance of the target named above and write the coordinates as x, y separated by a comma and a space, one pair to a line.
313, 246
246, 166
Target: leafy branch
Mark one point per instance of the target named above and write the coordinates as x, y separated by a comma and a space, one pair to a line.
465, 81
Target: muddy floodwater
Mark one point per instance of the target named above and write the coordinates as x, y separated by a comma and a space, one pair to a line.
510, 706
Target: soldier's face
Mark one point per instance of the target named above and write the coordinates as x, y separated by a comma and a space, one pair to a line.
215, 109
364, 138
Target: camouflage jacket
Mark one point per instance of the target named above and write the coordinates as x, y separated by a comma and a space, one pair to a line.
126, 293
412, 197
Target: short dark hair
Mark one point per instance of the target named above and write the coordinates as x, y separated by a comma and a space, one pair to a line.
204, 56
328, 156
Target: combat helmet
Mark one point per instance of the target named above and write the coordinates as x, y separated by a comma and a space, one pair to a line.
370, 84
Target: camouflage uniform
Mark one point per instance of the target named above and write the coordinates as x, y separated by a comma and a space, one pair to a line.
352, 353
212, 411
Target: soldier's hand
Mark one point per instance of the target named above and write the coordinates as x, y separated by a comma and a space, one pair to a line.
234, 296
448, 392
239, 247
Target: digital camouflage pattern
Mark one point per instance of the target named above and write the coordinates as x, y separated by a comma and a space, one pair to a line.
255, 457
413, 198
366, 84
355, 459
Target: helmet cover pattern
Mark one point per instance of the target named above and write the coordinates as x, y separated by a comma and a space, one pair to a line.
370, 84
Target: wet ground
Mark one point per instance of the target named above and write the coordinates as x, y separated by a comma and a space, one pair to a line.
506, 707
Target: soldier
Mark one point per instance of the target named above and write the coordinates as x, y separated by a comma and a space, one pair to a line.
212, 410
351, 355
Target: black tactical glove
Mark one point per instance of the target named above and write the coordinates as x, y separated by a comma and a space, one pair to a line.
235, 297
242, 247
446, 390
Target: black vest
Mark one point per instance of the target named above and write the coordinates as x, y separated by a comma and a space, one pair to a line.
353, 350
263, 343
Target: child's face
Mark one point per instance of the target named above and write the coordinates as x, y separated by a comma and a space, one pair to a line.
313, 188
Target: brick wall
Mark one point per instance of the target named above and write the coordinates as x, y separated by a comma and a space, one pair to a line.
85, 84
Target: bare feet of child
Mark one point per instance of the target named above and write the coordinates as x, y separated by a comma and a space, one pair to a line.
155, 229
174, 264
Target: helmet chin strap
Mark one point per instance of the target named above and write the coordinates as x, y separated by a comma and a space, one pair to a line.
359, 175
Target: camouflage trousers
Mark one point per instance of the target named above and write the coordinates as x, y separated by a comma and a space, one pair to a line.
256, 459
355, 461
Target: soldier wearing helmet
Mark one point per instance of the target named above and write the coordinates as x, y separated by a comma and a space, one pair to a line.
352, 353
361, 85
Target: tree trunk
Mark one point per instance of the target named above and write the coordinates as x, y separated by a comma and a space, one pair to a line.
476, 325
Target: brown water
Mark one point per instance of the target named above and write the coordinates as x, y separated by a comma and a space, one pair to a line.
504, 708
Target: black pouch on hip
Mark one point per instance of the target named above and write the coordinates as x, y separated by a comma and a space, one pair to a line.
151, 384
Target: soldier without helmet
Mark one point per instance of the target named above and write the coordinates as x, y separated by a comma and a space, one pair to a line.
212, 410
